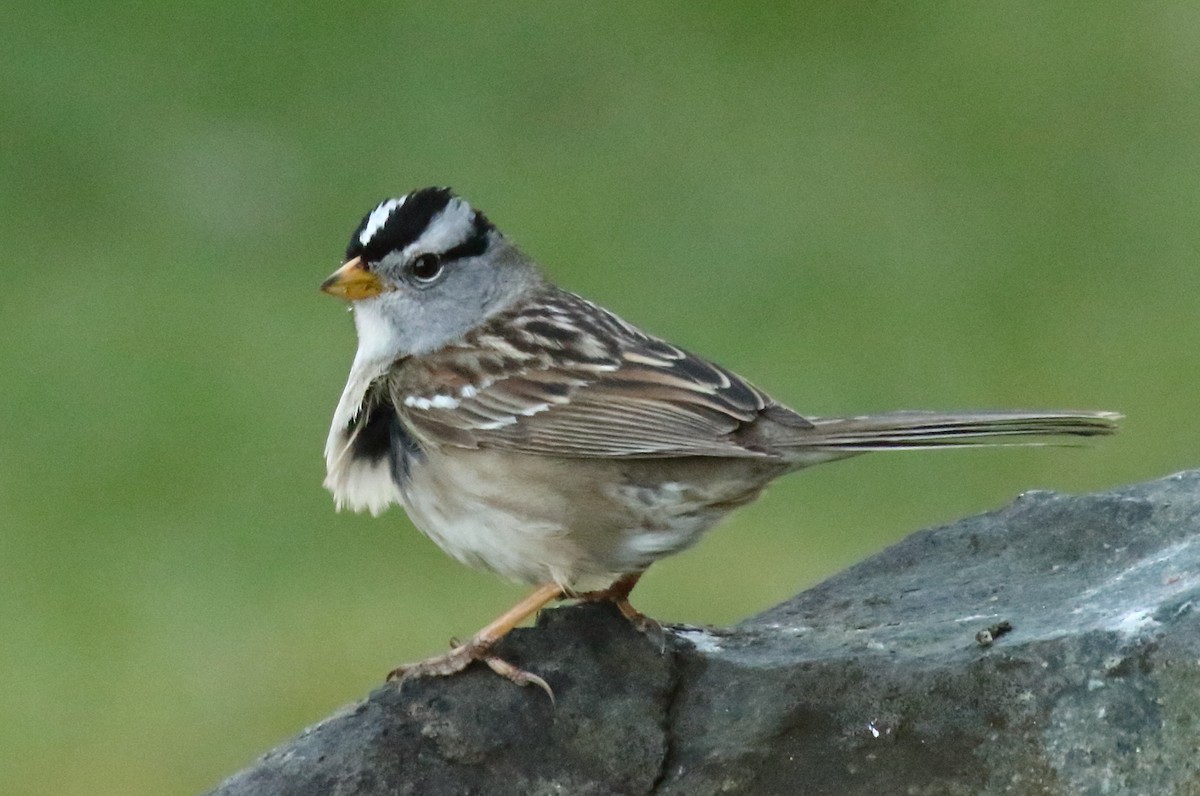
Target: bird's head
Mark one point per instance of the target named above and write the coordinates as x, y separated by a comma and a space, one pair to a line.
423, 269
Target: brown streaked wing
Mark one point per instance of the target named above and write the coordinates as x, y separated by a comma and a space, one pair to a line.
571, 379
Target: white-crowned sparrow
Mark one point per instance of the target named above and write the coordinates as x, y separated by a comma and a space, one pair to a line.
530, 432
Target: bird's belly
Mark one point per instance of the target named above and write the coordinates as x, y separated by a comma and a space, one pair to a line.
489, 515
580, 523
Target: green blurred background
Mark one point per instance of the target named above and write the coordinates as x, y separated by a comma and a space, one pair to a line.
925, 206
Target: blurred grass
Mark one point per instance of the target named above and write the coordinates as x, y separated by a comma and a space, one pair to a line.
967, 206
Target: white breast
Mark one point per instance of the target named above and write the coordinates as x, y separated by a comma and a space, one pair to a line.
357, 484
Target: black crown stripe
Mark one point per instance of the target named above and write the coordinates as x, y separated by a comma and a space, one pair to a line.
402, 227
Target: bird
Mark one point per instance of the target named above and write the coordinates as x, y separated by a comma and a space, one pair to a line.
529, 431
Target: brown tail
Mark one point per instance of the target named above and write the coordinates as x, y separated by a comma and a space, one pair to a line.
916, 430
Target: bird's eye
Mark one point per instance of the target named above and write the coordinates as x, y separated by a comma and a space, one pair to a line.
427, 267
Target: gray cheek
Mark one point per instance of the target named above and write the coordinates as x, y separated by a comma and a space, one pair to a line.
429, 319
490, 296
441, 320
451, 308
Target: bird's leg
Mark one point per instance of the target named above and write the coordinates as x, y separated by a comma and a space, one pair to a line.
480, 645
618, 593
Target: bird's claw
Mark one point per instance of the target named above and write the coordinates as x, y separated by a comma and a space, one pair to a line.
460, 657
517, 675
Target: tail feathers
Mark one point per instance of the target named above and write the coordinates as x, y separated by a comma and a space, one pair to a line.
916, 430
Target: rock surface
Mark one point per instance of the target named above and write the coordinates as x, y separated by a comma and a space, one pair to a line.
1051, 647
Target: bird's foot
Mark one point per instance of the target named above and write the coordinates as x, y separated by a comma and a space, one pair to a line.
460, 657
479, 648
647, 626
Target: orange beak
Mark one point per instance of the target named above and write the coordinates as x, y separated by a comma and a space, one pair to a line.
353, 282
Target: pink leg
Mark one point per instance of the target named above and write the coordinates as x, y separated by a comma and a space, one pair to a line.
480, 645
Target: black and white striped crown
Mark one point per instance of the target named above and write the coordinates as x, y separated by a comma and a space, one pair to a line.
428, 220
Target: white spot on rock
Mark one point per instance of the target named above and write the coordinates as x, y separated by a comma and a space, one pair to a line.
702, 640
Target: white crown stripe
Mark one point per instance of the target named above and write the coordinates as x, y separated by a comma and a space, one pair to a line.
379, 216
450, 227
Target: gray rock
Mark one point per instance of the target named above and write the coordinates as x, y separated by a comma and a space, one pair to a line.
1052, 647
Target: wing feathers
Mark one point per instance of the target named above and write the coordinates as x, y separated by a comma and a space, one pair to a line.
564, 377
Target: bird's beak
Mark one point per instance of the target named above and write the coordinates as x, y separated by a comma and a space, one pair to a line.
353, 282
